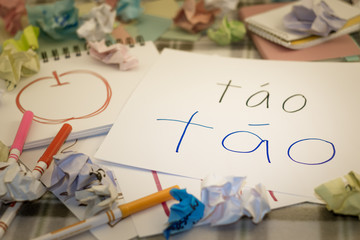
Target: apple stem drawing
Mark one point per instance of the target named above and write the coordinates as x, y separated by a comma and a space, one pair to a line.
58, 80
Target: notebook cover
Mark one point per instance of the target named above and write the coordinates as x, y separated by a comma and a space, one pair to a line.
337, 48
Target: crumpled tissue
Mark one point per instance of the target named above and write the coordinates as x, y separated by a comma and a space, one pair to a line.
58, 20
15, 64
128, 10
226, 200
228, 32
18, 184
194, 17
185, 214
27, 40
75, 174
314, 17
12, 12
98, 23
342, 195
114, 54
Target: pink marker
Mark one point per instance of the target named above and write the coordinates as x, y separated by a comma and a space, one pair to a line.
19, 141
42, 164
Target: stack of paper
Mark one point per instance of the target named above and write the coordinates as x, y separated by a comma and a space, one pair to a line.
270, 25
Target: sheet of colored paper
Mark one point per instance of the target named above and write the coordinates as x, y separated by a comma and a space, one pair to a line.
288, 125
150, 27
161, 8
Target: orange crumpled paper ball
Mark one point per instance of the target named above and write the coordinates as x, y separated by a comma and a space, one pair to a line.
194, 17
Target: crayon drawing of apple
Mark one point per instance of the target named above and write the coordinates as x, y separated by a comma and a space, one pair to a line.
71, 95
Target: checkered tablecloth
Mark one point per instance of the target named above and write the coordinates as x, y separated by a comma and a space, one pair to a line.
302, 221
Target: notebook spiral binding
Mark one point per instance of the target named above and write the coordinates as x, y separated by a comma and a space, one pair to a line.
78, 51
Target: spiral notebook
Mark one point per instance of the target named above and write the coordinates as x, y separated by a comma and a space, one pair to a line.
269, 25
73, 88
341, 47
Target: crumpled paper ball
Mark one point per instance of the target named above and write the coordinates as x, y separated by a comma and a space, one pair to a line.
4, 152
226, 6
98, 23
228, 32
58, 20
342, 195
75, 174
97, 197
113, 54
226, 200
128, 10
15, 64
18, 184
193, 17
313, 17
11, 12
185, 214
27, 40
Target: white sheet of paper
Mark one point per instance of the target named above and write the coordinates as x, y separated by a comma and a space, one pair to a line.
84, 92
288, 125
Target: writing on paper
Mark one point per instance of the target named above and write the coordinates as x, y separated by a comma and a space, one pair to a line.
326, 148
263, 96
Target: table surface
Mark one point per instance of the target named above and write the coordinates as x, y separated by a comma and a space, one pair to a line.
301, 221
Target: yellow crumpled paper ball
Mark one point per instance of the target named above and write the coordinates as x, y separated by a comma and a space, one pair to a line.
4, 152
342, 195
15, 64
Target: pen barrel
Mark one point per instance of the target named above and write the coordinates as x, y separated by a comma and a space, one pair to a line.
14, 154
22, 131
146, 202
8, 216
82, 226
55, 144
39, 170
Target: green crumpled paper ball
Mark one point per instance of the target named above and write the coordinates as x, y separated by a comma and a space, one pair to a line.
228, 32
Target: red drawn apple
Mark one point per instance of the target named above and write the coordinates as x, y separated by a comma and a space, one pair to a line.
72, 95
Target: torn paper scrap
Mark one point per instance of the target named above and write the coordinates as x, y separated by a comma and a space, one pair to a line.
128, 10
4, 152
12, 12
18, 184
194, 17
315, 17
28, 39
226, 200
185, 214
15, 64
75, 174
228, 32
114, 54
342, 195
58, 20
97, 24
